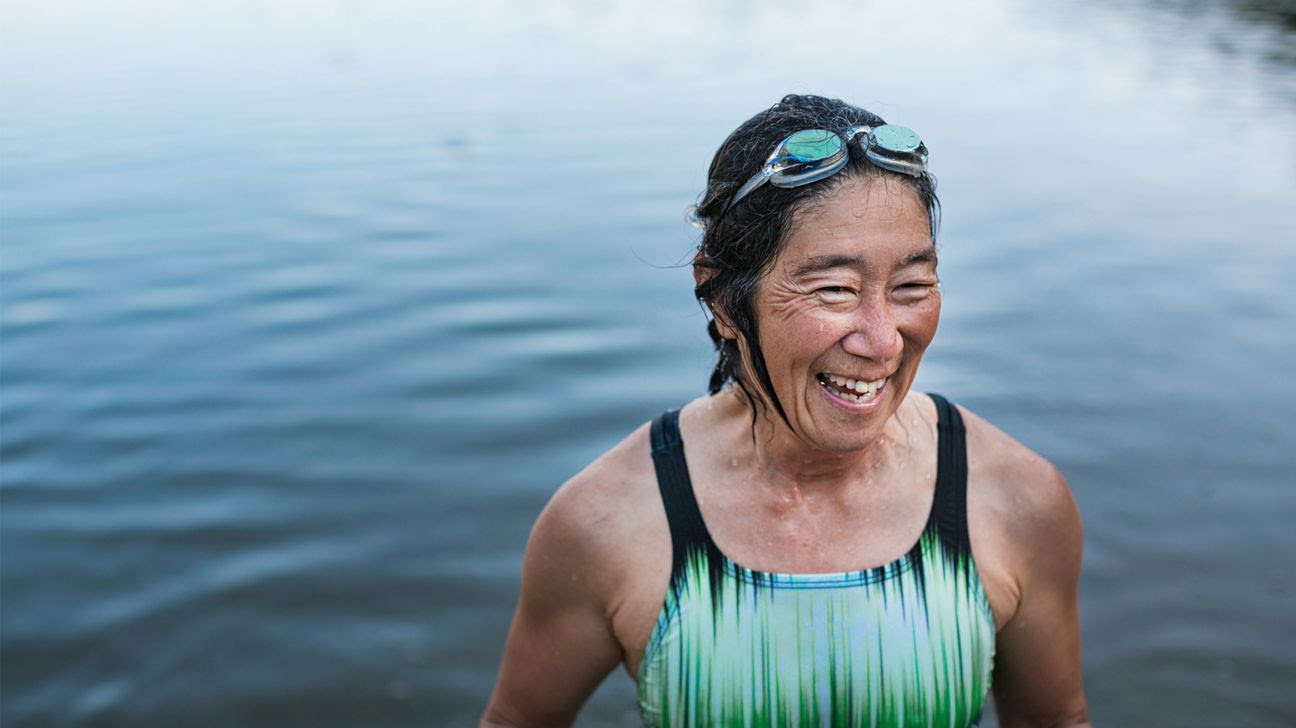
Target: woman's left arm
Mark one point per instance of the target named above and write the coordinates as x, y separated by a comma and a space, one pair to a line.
1037, 678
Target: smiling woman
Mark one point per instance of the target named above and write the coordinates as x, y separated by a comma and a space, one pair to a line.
835, 549
847, 309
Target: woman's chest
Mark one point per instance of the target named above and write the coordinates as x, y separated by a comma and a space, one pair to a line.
842, 647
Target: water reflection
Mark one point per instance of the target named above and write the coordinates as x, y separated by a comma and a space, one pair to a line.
1270, 26
307, 308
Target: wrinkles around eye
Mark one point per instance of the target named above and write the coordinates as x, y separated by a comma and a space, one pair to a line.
915, 292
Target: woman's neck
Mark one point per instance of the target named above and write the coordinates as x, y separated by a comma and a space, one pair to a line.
783, 461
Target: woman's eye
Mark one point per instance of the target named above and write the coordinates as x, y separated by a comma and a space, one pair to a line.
835, 293
914, 291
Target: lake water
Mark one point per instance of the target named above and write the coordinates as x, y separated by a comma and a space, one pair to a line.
307, 309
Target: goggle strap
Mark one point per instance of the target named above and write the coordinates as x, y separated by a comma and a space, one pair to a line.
757, 180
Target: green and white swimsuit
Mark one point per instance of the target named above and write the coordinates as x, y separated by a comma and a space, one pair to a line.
910, 643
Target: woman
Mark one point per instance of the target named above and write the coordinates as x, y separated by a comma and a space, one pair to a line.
833, 549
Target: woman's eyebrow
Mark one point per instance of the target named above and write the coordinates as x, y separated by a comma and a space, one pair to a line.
926, 255
825, 262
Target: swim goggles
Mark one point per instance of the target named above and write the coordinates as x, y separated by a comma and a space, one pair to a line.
814, 154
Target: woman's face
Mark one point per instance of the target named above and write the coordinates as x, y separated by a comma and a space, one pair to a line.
847, 310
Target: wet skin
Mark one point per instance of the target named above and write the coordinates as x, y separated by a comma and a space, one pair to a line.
853, 294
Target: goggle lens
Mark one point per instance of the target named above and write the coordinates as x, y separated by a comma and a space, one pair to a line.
896, 138
812, 145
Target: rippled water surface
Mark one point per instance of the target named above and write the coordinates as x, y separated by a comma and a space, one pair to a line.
308, 307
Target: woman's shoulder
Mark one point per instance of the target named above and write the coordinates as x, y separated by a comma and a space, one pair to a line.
617, 478
1010, 473
603, 517
1023, 521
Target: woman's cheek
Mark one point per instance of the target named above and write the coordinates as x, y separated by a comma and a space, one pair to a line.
923, 317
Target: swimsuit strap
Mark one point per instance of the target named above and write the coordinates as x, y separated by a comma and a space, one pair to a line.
949, 504
687, 529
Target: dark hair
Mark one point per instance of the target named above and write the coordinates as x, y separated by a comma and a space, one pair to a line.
738, 246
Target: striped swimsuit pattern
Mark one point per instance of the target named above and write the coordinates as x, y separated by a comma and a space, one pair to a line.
910, 643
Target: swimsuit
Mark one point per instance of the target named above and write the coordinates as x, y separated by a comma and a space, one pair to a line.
910, 643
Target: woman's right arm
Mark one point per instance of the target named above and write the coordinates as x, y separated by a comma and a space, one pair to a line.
560, 645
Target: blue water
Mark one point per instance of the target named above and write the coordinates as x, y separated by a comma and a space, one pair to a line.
307, 308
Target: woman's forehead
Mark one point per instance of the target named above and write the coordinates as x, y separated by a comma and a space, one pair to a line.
869, 221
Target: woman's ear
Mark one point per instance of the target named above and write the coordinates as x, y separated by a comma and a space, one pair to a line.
702, 274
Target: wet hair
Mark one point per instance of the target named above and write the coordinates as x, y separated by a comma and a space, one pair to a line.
739, 245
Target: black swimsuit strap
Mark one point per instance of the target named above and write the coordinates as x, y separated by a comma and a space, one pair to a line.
687, 529
949, 504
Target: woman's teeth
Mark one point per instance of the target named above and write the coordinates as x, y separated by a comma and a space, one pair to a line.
855, 390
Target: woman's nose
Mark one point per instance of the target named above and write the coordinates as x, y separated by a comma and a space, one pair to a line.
875, 335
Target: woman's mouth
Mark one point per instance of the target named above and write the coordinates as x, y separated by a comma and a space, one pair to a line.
851, 390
